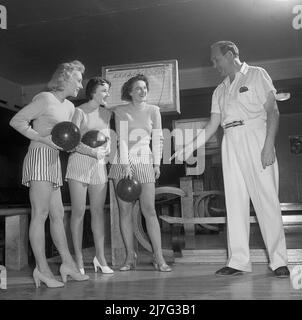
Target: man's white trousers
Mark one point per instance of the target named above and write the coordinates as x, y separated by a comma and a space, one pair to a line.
244, 178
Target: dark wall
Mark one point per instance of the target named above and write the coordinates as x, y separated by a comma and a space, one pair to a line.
290, 164
193, 104
12, 151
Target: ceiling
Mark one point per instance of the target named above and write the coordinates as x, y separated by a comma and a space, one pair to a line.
42, 33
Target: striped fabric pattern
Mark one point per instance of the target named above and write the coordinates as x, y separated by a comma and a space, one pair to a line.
86, 169
141, 169
42, 164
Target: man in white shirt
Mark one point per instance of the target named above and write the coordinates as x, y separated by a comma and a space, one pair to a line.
244, 105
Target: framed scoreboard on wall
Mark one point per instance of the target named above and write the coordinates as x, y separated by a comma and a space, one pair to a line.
163, 83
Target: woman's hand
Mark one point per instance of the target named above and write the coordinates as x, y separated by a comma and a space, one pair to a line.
127, 171
156, 169
107, 147
47, 140
103, 151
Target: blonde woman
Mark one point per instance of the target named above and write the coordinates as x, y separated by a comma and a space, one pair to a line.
42, 169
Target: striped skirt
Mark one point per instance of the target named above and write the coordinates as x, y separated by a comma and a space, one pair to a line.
86, 169
42, 164
141, 169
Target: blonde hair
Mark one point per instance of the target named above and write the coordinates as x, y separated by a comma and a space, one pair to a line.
63, 73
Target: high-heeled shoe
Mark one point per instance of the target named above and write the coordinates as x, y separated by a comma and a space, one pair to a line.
81, 267
50, 282
67, 271
161, 267
130, 265
82, 270
104, 269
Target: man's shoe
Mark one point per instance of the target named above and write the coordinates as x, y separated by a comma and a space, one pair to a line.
282, 272
227, 271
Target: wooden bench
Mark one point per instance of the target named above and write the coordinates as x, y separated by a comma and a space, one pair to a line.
16, 235
287, 219
179, 242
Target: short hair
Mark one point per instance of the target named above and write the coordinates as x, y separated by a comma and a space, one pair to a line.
127, 86
63, 73
226, 46
93, 84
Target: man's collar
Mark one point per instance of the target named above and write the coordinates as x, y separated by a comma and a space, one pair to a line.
244, 68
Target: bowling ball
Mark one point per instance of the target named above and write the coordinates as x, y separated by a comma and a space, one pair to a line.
128, 189
94, 138
66, 135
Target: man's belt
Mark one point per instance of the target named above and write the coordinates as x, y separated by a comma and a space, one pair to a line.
233, 124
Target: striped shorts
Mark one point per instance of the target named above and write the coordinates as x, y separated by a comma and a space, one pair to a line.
42, 164
141, 169
86, 169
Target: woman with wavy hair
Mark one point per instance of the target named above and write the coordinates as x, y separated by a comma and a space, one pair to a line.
137, 160
42, 169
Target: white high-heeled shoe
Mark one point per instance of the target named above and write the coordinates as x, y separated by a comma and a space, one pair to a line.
50, 282
130, 265
67, 271
162, 267
104, 269
82, 270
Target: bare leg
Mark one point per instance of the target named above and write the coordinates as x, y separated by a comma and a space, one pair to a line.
97, 198
57, 228
125, 210
78, 192
147, 202
40, 195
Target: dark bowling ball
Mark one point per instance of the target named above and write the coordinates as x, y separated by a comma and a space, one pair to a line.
66, 135
128, 189
94, 138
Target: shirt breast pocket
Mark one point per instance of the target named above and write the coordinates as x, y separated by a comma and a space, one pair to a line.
246, 95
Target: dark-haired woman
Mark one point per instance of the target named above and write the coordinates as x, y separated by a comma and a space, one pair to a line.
137, 123
42, 169
86, 171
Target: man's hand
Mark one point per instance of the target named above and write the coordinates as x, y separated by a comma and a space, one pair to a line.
268, 156
156, 171
181, 154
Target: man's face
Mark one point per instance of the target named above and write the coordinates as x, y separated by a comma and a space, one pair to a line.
220, 61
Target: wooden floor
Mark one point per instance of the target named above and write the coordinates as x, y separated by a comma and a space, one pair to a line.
187, 281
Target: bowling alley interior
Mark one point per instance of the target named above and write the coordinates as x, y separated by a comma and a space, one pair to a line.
170, 42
